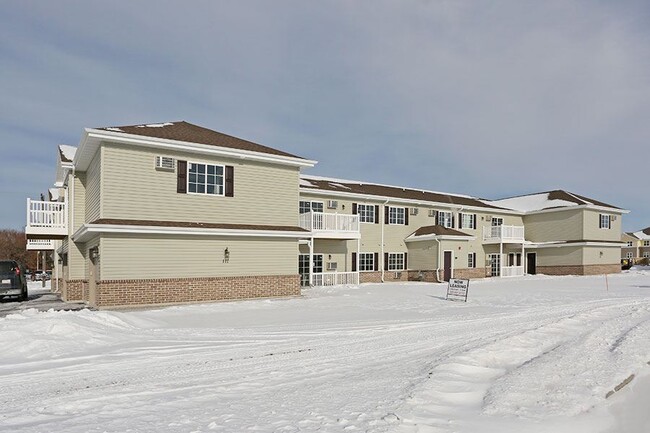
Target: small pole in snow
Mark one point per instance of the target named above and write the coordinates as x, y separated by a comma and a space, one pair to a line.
607, 283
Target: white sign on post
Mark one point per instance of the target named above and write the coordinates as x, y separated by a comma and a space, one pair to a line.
457, 290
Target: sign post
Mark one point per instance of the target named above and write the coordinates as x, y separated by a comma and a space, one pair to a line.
457, 290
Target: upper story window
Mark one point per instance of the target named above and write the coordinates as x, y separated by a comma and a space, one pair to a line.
630, 243
497, 221
366, 213
646, 243
311, 206
467, 221
205, 179
605, 221
445, 219
396, 215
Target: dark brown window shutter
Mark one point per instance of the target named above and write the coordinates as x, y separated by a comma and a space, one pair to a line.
453, 220
437, 218
354, 208
376, 261
406, 216
406, 261
385, 261
376, 216
474, 221
230, 181
354, 262
386, 214
181, 177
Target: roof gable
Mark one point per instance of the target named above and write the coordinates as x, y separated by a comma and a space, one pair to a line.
188, 132
555, 199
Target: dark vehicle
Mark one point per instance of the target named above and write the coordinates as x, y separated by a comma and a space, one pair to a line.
12, 280
626, 264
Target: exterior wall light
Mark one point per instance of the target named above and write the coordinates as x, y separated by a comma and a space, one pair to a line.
226, 255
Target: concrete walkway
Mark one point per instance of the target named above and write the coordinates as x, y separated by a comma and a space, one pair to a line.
40, 298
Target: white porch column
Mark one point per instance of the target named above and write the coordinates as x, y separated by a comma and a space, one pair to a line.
311, 262
500, 259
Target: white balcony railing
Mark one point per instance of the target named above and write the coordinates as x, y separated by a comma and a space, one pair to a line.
335, 278
46, 218
40, 245
512, 271
503, 234
331, 223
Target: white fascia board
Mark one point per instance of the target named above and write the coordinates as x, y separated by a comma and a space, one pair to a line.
583, 206
185, 146
86, 231
576, 244
392, 200
440, 238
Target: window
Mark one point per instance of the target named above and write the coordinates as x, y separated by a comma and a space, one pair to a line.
605, 221
310, 206
396, 215
471, 260
395, 261
366, 213
205, 179
497, 221
646, 243
646, 255
445, 219
467, 221
366, 261
628, 255
630, 244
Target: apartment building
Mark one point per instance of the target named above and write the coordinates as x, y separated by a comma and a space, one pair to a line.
173, 212
637, 246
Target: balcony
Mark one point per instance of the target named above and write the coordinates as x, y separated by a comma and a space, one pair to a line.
512, 271
46, 220
331, 225
40, 245
335, 278
503, 234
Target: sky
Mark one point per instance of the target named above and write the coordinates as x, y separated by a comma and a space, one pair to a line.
491, 99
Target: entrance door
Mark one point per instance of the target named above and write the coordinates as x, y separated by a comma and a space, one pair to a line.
303, 267
447, 265
531, 263
92, 282
495, 265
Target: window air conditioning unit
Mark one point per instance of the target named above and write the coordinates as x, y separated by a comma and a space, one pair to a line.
488, 217
332, 204
613, 218
398, 275
331, 266
165, 163
414, 211
432, 212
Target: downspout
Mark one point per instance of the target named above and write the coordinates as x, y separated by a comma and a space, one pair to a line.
438, 267
383, 265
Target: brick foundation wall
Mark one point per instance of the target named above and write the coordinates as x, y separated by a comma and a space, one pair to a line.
471, 273
579, 269
112, 293
74, 290
465, 274
389, 276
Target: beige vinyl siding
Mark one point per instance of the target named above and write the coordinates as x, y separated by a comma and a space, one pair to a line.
423, 255
592, 255
562, 256
77, 209
553, 226
76, 261
86, 247
93, 190
134, 189
159, 256
592, 231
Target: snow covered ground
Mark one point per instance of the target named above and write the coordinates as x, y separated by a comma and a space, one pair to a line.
532, 354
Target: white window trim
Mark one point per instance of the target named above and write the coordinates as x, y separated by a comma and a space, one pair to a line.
473, 256
602, 218
646, 255
629, 255
373, 262
471, 218
403, 223
223, 176
630, 244
374, 220
646, 243
403, 268
311, 205
451, 218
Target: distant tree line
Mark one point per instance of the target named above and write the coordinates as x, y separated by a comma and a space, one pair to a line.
13, 246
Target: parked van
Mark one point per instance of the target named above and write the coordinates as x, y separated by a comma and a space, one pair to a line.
12, 280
